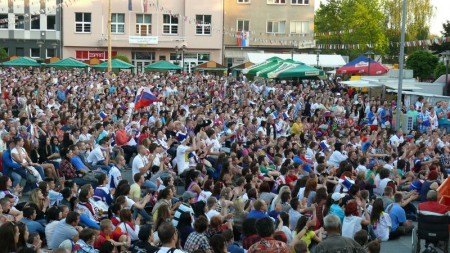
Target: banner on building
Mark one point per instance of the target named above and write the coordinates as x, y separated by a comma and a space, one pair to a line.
143, 40
243, 39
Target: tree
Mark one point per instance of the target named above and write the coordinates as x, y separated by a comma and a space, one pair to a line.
439, 70
122, 58
419, 13
423, 63
363, 17
446, 45
3, 54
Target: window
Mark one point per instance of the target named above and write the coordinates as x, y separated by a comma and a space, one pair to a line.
82, 22
20, 51
35, 22
170, 24
276, 1
301, 27
203, 57
143, 24
243, 1
118, 23
20, 24
276, 26
35, 52
203, 26
162, 57
3, 21
301, 2
51, 22
243, 25
51, 52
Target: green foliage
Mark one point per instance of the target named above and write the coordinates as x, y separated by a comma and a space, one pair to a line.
423, 63
122, 58
444, 46
439, 70
362, 16
3, 54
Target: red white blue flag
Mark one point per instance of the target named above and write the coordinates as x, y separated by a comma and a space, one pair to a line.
144, 97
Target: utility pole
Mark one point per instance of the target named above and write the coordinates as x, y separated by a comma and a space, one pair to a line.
400, 75
109, 37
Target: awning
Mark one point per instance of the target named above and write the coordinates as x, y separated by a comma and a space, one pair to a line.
361, 84
404, 87
325, 60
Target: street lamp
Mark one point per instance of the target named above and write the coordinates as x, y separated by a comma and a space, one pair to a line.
446, 56
318, 57
369, 53
182, 55
176, 55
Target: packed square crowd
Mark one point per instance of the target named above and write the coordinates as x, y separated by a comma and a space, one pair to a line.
265, 167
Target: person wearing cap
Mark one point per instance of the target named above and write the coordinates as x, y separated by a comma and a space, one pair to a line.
185, 206
334, 242
335, 208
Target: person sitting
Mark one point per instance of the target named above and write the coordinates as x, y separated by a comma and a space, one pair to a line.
260, 210
432, 205
334, 242
168, 236
266, 228
198, 239
400, 226
145, 241
29, 215
120, 240
86, 240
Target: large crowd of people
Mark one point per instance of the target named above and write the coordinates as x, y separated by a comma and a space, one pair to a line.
218, 164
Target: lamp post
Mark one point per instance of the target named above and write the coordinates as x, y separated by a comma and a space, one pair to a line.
176, 55
182, 55
369, 53
401, 63
446, 56
318, 57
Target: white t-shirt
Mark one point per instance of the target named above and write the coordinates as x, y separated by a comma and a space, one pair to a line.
16, 151
394, 140
139, 161
212, 213
351, 225
181, 159
167, 249
383, 183
130, 203
382, 227
204, 195
114, 176
95, 156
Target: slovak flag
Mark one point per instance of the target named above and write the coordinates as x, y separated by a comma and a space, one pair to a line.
243, 39
285, 115
346, 182
103, 115
144, 97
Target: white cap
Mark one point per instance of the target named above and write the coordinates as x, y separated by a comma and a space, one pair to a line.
337, 196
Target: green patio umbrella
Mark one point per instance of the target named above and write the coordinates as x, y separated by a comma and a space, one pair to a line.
299, 71
68, 63
162, 65
253, 70
22, 62
115, 64
281, 65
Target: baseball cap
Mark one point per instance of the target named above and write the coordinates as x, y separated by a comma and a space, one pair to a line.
188, 195
337, 196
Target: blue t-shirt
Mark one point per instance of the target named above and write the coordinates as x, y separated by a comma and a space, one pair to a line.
337, 210
78, 163
398, 215
257, 214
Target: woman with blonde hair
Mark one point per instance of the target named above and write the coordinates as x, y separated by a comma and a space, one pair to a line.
162, 215
277, 199
239, 216
40, 203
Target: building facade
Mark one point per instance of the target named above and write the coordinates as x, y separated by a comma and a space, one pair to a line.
31, 28
275, 26
183, 32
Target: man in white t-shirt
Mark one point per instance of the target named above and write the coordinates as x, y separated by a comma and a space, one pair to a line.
396, 139
99, 157
142, 164
181, 159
